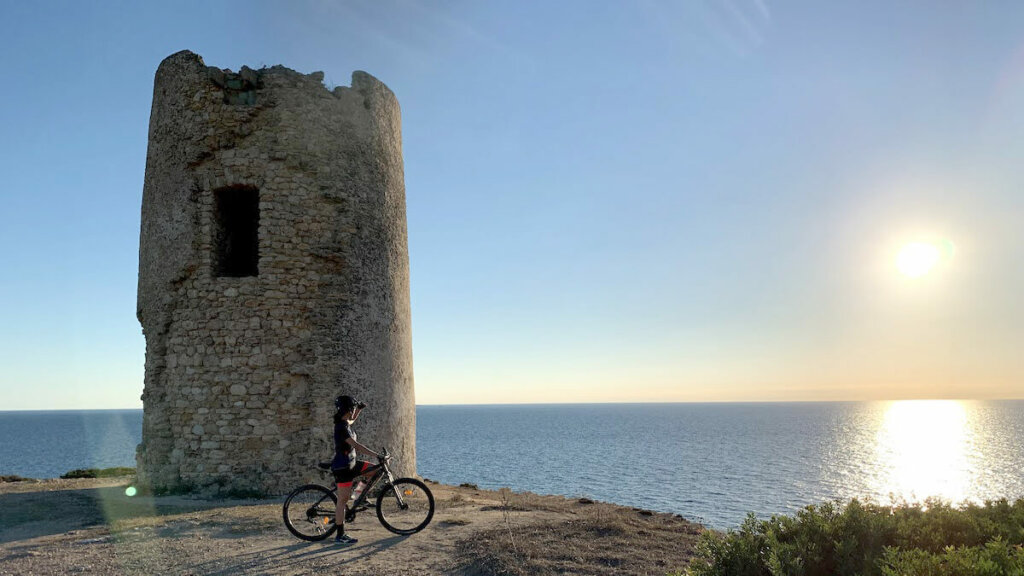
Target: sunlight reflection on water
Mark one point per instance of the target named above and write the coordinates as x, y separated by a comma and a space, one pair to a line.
924, 448
910, 450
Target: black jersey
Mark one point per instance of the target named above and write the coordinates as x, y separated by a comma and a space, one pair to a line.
344, 454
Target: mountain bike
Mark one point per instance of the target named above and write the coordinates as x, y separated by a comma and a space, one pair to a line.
404, 505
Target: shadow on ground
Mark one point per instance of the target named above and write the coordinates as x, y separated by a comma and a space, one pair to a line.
294, 555
34, 514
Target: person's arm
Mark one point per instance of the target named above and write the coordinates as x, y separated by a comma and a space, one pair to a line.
360, 448
355, 414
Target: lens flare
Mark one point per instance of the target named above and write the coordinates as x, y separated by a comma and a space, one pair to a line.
130, 491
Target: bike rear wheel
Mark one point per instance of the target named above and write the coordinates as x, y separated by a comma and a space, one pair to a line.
406, 506
309, 512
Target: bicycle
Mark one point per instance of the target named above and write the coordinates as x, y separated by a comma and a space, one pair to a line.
404, 505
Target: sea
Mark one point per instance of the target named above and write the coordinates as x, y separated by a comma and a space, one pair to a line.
714, 463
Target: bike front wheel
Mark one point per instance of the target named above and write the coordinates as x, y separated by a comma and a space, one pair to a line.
406, 506
309, 512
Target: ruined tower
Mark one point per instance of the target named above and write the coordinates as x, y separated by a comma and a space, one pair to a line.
273, 275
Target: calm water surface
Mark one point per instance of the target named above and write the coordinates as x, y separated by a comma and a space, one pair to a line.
710, 462
48, 444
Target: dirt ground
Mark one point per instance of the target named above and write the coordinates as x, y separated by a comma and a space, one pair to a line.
93, 527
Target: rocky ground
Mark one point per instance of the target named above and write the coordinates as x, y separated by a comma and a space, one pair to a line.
91, 526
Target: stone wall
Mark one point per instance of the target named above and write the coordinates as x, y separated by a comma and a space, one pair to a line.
241, 372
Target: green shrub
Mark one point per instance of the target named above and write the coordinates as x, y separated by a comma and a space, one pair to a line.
98, 472
995, 558
933, 538
12, 478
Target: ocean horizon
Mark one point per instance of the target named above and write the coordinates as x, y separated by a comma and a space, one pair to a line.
713, 462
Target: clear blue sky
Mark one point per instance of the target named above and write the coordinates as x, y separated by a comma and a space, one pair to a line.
607, 201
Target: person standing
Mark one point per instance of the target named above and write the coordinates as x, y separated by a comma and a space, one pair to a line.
345, 466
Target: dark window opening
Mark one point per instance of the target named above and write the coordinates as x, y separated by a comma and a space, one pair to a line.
236, 240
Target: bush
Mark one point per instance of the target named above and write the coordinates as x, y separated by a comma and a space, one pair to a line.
993, 559
12, 478
98, 472
872, 540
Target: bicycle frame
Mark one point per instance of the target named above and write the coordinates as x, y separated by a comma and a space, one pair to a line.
378, 470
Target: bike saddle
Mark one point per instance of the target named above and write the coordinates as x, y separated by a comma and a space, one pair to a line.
324, 465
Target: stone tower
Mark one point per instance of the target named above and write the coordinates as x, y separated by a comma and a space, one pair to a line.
273, 275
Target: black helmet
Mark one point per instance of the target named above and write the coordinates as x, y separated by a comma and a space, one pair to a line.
344, 403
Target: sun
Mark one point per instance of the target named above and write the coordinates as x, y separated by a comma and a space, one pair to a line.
918, 258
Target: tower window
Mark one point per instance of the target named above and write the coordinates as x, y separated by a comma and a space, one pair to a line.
236, 239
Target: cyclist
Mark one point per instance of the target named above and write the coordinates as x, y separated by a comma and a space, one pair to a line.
345, 466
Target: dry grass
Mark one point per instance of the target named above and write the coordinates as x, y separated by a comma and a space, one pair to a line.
509, 501
456, 500
595, 539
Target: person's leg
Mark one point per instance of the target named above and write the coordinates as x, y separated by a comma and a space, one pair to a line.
344, 493
343, 480
362, 468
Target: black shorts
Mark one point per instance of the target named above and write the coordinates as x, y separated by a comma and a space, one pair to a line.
345, 476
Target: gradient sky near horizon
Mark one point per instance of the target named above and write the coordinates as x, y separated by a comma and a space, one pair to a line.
607, 201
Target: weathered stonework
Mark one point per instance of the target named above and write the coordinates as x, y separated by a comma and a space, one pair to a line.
242, 369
